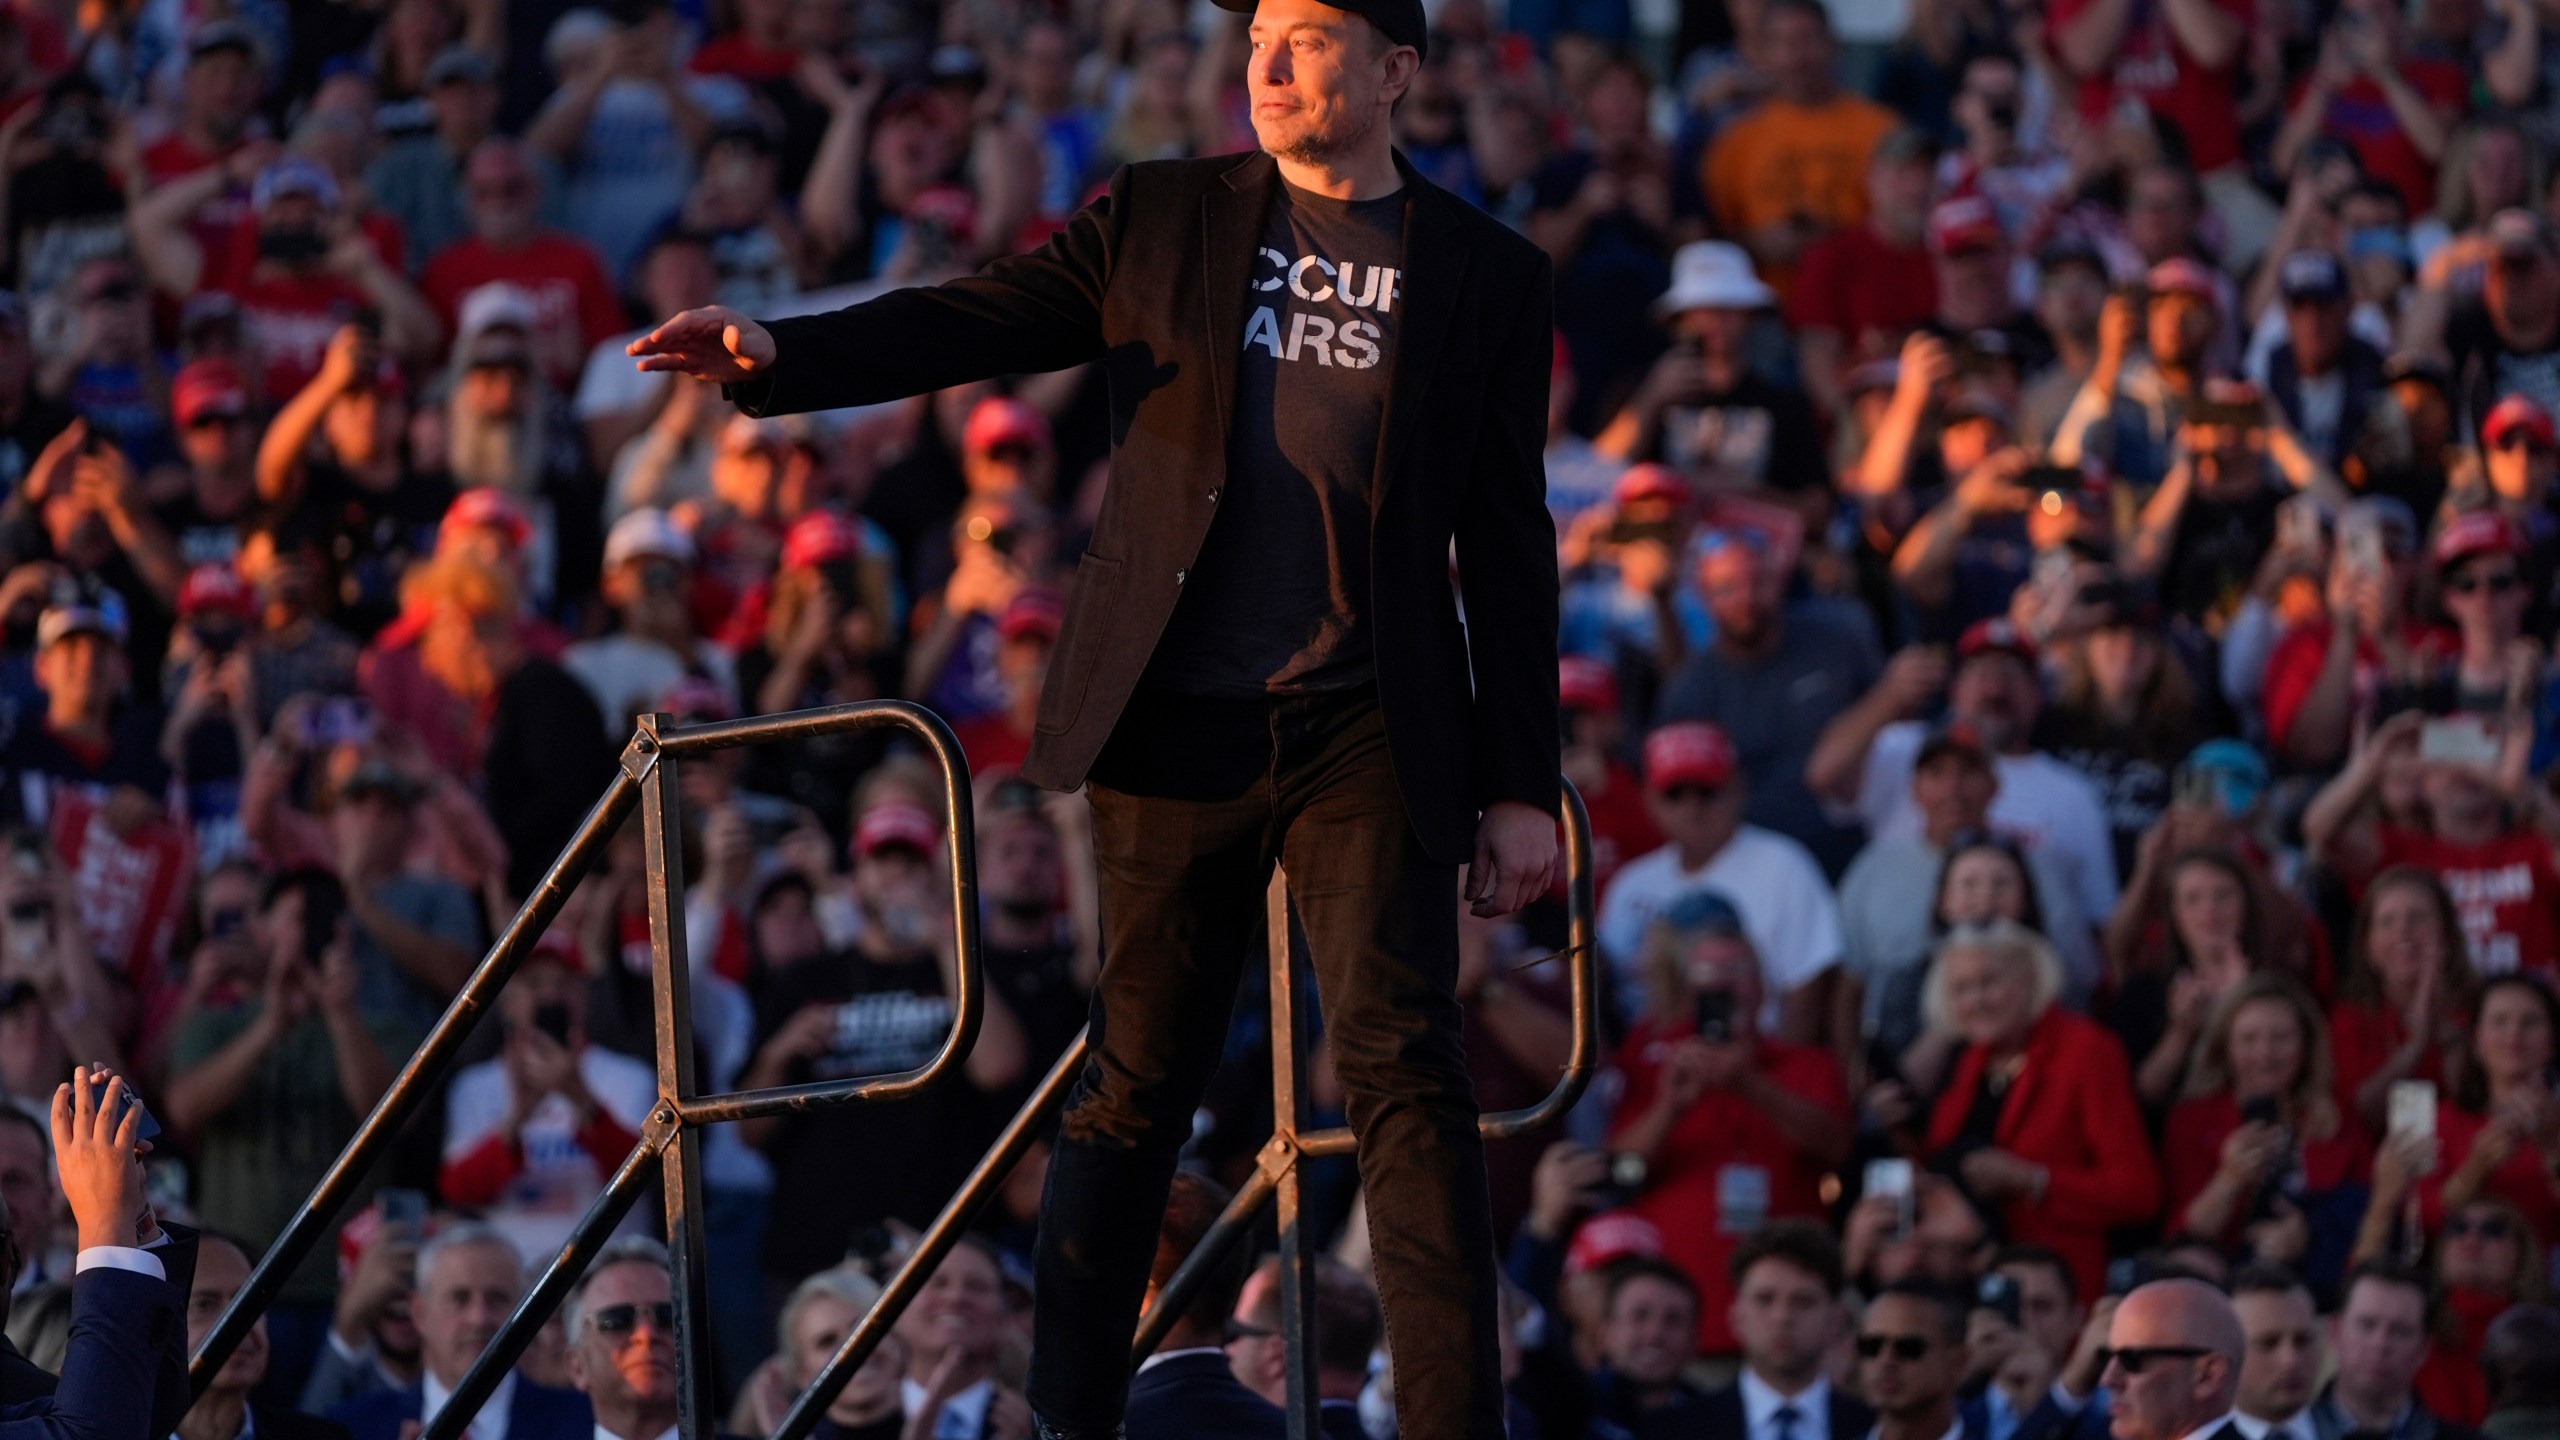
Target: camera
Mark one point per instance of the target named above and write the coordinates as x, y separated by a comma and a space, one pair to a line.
1998, 1293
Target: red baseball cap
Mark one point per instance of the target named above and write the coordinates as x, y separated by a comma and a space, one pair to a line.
2179, 275
820, 537
2512, 412
999, 421
895, 823
2476, 532
208, 387
1610, 1236
1583, 683
1965, 225
216, 589
486, 505
1036, 611
1649, 481
1996, 636
1690, 752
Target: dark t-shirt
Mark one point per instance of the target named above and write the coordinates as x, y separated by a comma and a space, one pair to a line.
2486, 369
1756, 433
840, 1169
2215, 551
372, 536
1278, 601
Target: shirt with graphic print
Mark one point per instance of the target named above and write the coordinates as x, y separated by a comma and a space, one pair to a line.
1278, 602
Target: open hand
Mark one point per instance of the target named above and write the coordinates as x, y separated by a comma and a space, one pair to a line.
714, 343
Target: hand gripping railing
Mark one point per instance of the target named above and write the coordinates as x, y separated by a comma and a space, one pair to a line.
1275, 1176
669, 1139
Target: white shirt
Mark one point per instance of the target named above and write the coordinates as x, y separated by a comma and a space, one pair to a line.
2297, 1426
1761, 1401
489, 1424
2046, 805
1787, 909
669, 1433
551, 1191
963, 1417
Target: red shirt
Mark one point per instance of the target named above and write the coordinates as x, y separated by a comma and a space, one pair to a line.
2191, 1151
2362, 1039
2359, 115
2295, 664
1865, 288
1724, 1165
734, 54
287, 319
1621, 828
2521, 1181
2507, 891
2070, 1109
2450, 1384
992, 743
573, 300
2152, 67
170, 157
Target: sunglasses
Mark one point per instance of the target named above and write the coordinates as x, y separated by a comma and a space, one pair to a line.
1904, 1347
2518, 437
1684, 794
2498, 584
2485, 1227
2134, 1359
623, 1319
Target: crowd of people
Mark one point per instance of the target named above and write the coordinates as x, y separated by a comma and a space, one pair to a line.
2054, 512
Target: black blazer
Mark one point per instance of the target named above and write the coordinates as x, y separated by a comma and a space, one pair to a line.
536, 1412
1198, 1397
1847, 1416
274, 1424
1153, 281
128, 1331
21, 1379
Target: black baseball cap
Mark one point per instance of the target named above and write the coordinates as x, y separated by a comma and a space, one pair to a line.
1401, 20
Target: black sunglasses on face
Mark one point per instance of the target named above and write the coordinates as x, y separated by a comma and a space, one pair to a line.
1904, 1347
2485, 1227
623, 1319
2134, 1358
1684, 794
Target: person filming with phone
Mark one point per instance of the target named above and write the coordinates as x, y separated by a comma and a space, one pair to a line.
530, 1136
1718, 1129
124, 1376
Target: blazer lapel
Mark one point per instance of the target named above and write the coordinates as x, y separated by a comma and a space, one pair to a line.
1230, 229
1435, 275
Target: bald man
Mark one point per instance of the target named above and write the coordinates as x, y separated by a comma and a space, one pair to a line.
2173, 1363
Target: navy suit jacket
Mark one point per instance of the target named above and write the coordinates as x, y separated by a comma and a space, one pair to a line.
21, 1379
1196, 1397
537, 1412
1847, 1416
128, 1346
273, 1424
1340, 1420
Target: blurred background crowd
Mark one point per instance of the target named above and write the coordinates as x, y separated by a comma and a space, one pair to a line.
2054, 505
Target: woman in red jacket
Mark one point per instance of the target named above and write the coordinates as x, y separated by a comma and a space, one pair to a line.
2039, 1122
2407, 985
2259, 1159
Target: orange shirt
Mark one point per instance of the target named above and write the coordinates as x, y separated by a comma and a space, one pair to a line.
1785, 159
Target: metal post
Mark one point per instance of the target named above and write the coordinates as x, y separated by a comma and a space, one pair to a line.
671, 988
1288, 1115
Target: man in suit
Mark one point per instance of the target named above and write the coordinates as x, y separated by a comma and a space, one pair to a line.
1648, 1331
2280, 1374
2386, 1312
1786, 1312
1912, 1361
224, 1411
1346, 1332
1188, 1390
2174, 1350
124, 1376
1323, 371
621, 1322
469, 1280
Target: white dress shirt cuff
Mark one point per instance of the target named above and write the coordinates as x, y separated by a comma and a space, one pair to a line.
120, 1257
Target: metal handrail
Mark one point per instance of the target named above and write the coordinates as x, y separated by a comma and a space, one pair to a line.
642, 780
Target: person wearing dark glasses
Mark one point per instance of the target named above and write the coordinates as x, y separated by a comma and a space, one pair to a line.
2172, 1363
621, 1323
2487, 1263
1912, 1361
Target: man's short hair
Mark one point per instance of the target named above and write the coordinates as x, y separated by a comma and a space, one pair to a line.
1810, 9
12, 1115
462, 1235
2040, 1257
2520, 1358
1624, 1272
2265, 1279
1189, 1210
2390, 1272
1801, 1243
1953, 1308
1348, 1320
629, 1250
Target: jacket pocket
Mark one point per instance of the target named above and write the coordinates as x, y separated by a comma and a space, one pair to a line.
1082, 637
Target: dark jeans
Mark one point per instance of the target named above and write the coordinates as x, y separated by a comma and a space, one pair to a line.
1193, 802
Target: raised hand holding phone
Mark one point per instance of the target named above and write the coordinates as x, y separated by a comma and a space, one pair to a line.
97, 1149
